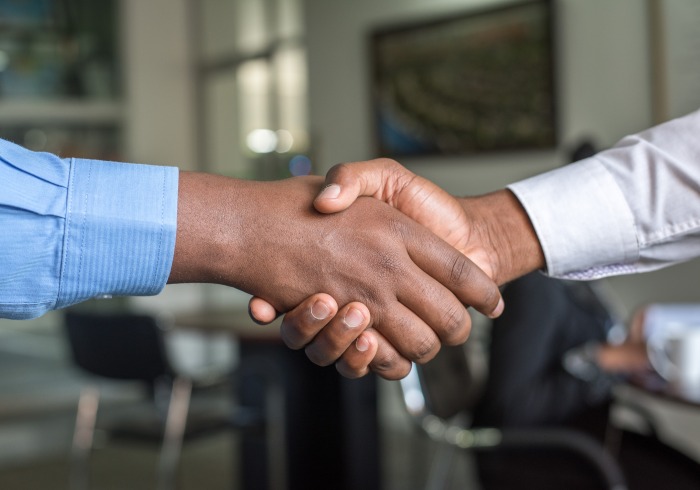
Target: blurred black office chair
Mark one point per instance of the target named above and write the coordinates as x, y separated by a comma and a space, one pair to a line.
132, 347
438, 397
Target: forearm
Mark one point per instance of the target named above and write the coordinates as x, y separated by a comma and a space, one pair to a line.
504, 230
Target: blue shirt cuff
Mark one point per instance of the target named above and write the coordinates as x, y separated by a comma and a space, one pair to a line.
120, 230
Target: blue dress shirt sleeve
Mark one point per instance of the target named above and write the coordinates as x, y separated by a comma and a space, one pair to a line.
75, 229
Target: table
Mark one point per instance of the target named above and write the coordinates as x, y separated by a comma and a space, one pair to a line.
322, 429
653, 384
638, 390
653, 455
643, 394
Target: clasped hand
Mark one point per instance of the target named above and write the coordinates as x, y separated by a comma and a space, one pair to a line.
361, 336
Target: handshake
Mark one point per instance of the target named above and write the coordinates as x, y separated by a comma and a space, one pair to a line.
374, 268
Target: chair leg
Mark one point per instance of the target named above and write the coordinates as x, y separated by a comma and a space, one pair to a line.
83, 437
275, 434
439, 473
174, 433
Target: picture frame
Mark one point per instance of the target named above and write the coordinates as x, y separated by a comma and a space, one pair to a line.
473, 82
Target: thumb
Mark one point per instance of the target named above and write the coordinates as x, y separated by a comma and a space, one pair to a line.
348, 181
342, 188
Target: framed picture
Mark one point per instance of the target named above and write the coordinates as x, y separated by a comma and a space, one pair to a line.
474, 82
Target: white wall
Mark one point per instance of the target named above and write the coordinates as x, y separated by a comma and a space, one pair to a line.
158, 83
604, 89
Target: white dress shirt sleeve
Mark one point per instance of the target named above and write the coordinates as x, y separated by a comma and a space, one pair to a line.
632, 208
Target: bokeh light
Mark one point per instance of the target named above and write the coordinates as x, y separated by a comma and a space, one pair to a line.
262, 141
300, 165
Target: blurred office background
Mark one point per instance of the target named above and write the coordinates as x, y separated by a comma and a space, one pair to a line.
268, 89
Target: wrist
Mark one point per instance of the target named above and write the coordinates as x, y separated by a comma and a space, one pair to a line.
502, 227
253, 236
206, 235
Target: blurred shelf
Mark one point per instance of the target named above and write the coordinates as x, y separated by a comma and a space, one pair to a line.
29, 112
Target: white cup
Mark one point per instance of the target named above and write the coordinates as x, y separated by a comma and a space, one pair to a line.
675, 355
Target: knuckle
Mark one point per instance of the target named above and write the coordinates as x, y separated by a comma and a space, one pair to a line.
317, 356
391, 366
403, 372
460, 335
349, 371
425, 349
389, 264
460, 271
493, 296
385, 362
399, 372
430, 357
291, 338
338, 171
455, 324
396, 224
391, 167
373, 297
388, 162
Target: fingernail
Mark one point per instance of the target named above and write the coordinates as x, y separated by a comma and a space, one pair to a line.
362, 344
353, 318
331, 191
498, 310
320, 310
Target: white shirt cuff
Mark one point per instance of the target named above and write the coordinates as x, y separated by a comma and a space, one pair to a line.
584, 224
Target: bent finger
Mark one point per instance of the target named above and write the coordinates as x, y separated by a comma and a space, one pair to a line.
452, 269
387, 362
339, 334
408, 333
302, 324
355, 361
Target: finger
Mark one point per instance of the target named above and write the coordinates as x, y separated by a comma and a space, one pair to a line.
387, 362
452, 270
302, 324
436, 306
380, 178
412, 337
339, 334
355, 361
261, 311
